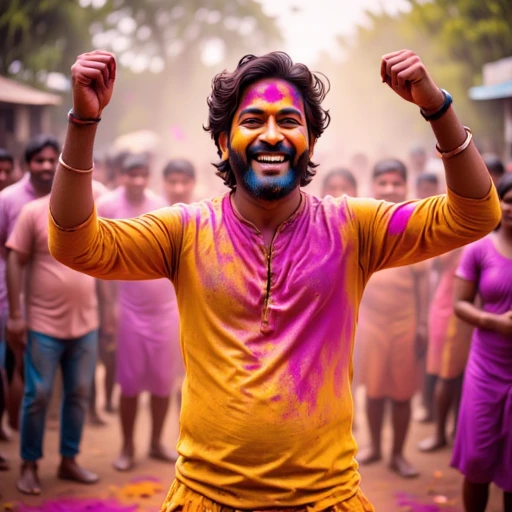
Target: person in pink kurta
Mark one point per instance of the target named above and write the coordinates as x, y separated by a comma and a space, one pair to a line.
61, 332
148, 356
41, 154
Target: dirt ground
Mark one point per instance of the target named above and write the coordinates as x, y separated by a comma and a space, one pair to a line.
147, 484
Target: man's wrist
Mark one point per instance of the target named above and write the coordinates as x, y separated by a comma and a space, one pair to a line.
15, 315
438, 107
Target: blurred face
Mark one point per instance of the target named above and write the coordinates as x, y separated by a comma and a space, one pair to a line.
42, 167
6, 173
338, 186
506, 210
426, 189
135, 181
179, 188
268, 146
390, 186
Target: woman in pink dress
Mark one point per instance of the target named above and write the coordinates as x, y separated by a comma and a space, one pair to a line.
483, 446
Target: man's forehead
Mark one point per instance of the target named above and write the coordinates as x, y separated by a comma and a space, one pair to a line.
272, 91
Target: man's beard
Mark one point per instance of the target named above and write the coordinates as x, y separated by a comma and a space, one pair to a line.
268, 188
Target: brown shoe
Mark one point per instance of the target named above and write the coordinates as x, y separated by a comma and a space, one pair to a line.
70, 470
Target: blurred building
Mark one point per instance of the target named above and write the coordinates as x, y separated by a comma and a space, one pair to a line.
24, 112
497, 78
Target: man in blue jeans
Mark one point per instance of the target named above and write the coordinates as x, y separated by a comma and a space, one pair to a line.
60, 330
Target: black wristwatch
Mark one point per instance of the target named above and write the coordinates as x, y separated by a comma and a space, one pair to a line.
448, 100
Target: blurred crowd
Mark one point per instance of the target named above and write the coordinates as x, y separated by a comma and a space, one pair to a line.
418, 332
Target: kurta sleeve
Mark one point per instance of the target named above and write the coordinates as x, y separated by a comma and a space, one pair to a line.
146, 247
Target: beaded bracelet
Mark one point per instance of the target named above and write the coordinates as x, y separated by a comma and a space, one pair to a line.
450, 154
69, 168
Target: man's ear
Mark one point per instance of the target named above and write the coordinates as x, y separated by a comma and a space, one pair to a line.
223, 143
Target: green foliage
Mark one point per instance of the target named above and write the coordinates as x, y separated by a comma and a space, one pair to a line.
42, 34
48, 34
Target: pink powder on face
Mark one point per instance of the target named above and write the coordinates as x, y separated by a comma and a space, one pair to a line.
272, 92
400, 219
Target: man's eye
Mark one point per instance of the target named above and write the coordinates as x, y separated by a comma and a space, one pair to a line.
289, 121
251, 121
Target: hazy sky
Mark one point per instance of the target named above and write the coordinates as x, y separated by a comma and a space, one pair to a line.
313, 27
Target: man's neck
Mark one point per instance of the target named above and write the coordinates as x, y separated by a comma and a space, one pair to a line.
134, 199
40, 190
267, 216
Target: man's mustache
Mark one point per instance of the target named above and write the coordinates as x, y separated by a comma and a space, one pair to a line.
262, 147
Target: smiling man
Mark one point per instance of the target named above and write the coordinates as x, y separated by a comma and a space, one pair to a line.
268, 278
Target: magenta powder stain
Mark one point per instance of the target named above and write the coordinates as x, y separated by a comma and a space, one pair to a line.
410, 502
400, 219
78, 505
272, 93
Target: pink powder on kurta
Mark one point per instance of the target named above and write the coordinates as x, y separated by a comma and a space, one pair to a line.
400, 218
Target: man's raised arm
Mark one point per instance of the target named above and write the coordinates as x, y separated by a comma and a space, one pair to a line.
466, 173
140, 248
93, 76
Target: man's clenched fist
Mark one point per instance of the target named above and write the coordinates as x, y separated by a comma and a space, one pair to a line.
92, 77
404, 72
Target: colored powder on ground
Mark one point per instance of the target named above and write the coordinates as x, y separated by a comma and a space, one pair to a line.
409, 503
138, 489
77, 505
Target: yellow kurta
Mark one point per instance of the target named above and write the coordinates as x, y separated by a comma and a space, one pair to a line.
267, 333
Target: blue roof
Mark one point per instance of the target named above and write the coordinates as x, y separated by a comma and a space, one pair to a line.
491, 92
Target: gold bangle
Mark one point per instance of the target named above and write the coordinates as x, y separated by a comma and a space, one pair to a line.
450, 154
69, 168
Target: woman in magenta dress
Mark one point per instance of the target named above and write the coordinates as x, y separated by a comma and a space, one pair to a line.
483, 446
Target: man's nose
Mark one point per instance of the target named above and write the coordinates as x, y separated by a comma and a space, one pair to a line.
272, 135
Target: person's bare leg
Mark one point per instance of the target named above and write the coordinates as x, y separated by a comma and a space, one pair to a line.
15, 396
127, 413
29, 483
507, 502
375, 418
428, 398
475, 496
159, 408
401, 412
4, 435
444, 399
94, 417
110, 379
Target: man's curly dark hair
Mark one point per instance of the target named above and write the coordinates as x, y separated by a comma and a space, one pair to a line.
228, 89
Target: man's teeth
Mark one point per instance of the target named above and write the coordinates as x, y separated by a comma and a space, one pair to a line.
270, 158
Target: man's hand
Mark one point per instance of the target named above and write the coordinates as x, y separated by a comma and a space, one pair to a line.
16, 334
92, 77
404, 72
